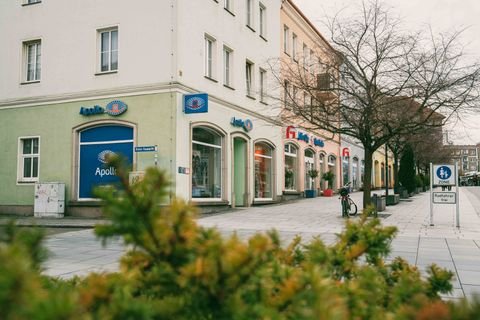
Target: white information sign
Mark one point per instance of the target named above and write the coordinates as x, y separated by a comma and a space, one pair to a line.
444, 197
444, 175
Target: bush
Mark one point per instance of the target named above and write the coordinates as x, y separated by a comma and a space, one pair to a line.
419, 181
176, 269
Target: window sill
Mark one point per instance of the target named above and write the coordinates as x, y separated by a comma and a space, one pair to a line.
286, 53
265, 39
249, 27
251, 97
263, 102
211, 79
227, 86
27, 182
30, 4
29, 82
106, 72
233, 14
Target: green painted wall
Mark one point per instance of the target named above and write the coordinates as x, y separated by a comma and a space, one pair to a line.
153, 114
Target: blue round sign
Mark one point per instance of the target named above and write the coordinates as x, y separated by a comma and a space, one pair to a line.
444, 172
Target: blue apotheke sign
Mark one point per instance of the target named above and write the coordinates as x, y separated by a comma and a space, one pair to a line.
195, 103
113, 108
246, 124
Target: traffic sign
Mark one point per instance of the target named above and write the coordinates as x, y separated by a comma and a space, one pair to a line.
444, 197
444, 175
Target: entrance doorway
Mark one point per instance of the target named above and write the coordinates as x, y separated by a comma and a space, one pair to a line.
240, 172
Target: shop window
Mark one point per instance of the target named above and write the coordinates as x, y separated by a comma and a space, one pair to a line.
263, 171
345, 170
321, 162
291, 167
355, 173
382, 175
97, 144
362, 173
29, 157
332, 160
206, 163
309, 158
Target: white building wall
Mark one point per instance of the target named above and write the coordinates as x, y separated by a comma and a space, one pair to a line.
68, 31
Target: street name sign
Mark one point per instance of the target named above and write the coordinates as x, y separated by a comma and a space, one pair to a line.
444, 175
146, 149
444, 197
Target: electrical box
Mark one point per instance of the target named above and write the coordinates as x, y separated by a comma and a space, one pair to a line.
49, 199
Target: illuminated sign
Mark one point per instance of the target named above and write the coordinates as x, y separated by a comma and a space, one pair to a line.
113, 108
293, 133
247, 124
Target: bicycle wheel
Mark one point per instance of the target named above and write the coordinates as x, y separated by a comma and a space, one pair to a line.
352, 207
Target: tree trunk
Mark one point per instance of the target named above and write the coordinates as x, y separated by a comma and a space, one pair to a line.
367, 179
396, 187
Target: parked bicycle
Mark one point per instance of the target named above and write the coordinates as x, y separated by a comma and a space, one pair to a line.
349, 207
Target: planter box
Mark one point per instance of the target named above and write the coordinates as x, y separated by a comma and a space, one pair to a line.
404, 194
393, 199
310, 193
418, 190
328, 192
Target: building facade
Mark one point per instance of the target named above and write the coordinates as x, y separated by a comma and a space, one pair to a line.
303, 49
186, 95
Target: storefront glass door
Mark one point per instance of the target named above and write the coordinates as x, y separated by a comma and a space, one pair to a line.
240, 171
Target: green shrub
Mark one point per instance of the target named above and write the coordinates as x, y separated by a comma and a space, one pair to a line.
176, 269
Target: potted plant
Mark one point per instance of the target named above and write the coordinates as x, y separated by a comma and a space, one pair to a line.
312, 192
328, 176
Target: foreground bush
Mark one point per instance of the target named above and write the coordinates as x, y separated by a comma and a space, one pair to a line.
176, 269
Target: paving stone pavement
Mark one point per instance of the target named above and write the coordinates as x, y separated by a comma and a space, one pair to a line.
78, 252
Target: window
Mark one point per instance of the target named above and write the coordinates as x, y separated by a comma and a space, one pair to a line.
345, 170
227, 66
250, 13
31, 2
290, 167
263, 79
263, 20
321, 162
209, 56
286, 93
33, 60
310, 62
332, 167
249, 77
355, 173
29, 156
263, 171
109, 50
285, 39
294, 47
227, 4
206, 163
305, 56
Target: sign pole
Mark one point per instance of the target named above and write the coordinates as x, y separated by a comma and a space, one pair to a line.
457, 205
431, 196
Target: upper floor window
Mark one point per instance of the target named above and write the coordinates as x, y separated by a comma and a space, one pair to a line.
263, 79
33, 56
29, 156
27, 2
305, 56
227, 66
227, 4
250, 13
108, 50
249, 78
285, 39
263, 20
294, 46
209, 56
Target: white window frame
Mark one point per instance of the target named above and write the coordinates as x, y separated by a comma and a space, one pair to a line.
210, 58
249, 14
294, 46
249, 78
271, 169
228, 5
21, 156
110, 52
35, 60
227, 66
286, 33
262, 83
262, 13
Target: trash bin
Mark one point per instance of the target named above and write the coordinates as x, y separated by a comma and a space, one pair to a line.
379, 202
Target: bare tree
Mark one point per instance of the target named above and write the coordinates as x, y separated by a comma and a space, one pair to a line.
382, 83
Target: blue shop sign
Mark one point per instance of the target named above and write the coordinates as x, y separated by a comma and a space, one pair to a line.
247, 124
113, 108
195, 103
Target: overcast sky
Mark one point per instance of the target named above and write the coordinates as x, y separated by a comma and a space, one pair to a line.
441, 15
